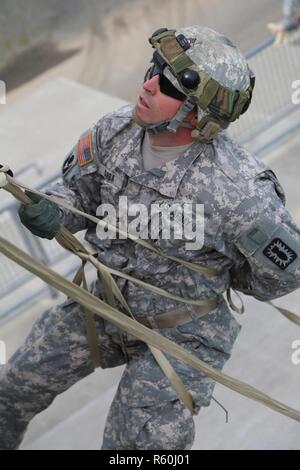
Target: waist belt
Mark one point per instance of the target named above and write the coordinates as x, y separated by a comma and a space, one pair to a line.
176, 317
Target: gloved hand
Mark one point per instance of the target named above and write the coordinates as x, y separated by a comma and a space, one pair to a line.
41, 217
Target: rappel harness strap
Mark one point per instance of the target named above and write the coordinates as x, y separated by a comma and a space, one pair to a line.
91, 332
157, 341
15, 188
68, 241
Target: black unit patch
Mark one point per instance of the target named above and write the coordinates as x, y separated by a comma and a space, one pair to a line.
69, 162
279, 253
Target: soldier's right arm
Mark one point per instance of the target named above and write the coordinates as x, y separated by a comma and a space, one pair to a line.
82, 175
80, 185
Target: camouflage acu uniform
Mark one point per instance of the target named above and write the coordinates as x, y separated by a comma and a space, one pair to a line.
244, 219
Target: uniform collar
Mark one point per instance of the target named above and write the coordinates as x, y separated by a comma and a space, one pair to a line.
166, 179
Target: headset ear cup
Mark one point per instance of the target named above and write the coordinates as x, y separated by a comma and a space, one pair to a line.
207, 130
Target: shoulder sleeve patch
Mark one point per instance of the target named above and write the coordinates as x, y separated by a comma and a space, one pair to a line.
70, 167
271, 245
280, 253
85, 153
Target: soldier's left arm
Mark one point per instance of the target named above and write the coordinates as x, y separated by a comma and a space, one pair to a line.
266, 242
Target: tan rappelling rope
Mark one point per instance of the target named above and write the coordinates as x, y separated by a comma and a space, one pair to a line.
16, 186
67, 240
62, 203
98, 307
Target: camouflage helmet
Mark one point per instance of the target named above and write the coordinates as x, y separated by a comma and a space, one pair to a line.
210, 71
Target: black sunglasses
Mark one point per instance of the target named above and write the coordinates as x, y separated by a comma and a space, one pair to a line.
166, 87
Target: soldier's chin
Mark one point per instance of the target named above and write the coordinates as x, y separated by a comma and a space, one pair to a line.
138, 120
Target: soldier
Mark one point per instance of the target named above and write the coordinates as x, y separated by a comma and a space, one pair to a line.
171, 147
290, 20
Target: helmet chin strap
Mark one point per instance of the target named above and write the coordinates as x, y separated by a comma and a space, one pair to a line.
205, 131
170, 125
183, 111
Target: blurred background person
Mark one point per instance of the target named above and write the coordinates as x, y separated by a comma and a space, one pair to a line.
290, 20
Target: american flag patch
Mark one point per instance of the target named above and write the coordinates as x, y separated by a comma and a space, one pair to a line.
85, 150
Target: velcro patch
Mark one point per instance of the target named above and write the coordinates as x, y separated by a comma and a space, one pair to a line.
68, 163
85, 150
279, 253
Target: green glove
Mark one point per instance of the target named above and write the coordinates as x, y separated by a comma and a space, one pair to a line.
41, 217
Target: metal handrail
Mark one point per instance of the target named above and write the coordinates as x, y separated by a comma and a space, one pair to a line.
256, 50
274, 67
